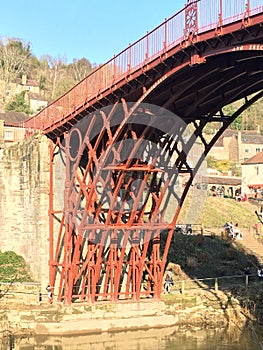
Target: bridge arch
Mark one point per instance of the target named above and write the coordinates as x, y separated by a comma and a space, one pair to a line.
196, 70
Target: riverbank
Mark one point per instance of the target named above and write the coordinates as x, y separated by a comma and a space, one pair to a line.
204, 308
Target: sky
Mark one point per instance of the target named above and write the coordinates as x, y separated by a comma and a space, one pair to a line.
94, 29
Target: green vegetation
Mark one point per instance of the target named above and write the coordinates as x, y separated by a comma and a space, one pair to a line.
55, 76
52, 74
18, 104
223, 165
217, 211
198, 256
13, 268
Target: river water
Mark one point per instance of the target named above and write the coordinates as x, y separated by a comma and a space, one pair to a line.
181, 338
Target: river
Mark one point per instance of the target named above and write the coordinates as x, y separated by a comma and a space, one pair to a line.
181, 338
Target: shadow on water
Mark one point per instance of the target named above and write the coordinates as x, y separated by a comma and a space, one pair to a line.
183, 338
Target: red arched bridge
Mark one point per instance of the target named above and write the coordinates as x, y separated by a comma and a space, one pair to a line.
124, 137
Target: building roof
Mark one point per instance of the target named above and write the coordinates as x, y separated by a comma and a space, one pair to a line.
256, 159
224, 180
29, 82
36, 97
247, 137
250, 137
12, 118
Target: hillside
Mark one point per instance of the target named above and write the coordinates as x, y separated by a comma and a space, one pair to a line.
217, 211
200, 256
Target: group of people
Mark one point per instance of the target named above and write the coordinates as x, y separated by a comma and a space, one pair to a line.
232, 230
184, 229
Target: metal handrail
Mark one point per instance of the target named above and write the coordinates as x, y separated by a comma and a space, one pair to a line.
171, 33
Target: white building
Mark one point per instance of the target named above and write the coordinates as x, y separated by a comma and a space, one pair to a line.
252, 176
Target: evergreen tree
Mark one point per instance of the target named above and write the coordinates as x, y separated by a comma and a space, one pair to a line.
18, 104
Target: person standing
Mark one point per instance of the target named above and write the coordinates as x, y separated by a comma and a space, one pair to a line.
168, 281
49, 294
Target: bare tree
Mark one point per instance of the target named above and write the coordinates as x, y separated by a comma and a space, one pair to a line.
79, 69
54, 69
14, 60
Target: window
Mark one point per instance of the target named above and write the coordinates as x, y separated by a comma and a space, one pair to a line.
9, 135
246, 150
257, 150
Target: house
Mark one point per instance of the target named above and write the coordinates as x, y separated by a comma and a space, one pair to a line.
36, 101
11, 127
237, 146
33, 94
252, 176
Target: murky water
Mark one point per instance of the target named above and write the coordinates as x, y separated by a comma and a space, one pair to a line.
181, 338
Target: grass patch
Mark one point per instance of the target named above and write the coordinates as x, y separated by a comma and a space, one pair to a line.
217, 211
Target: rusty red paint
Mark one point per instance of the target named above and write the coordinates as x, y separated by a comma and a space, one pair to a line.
52, 116
83, 267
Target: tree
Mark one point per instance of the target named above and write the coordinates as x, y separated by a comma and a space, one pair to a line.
237, 123
223, 165
14, 60
18, 104
79, 69
57, 81
211, 162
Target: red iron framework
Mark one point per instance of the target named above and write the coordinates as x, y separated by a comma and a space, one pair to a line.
190, 66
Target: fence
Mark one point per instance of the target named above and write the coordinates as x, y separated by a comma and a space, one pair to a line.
30, 293
27, 293
213, 283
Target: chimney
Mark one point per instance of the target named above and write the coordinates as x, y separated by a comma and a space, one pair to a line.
258, 129
24, 79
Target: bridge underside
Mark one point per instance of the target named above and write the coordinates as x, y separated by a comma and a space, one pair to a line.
130, 162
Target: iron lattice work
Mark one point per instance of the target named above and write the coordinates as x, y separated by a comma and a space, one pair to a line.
122, 163
121, 202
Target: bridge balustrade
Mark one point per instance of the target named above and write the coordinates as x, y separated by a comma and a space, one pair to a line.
199, 16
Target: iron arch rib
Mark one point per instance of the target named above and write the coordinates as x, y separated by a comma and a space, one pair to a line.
119, 184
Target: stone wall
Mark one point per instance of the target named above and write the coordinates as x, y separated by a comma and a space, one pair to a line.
24, 198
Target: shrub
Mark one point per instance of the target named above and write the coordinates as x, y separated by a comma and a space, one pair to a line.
191, 262
221, 270
231, 254
199, 240
204, 257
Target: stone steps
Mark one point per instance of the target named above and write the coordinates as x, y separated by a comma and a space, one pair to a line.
253, 246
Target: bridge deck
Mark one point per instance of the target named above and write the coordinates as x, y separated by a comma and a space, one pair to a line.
181, 42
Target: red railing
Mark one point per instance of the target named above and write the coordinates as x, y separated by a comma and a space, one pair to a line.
211, 15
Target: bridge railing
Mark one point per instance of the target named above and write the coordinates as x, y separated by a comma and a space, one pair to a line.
210, 15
